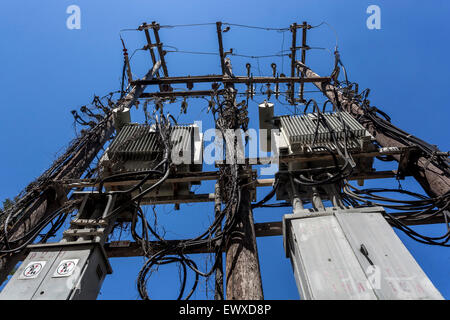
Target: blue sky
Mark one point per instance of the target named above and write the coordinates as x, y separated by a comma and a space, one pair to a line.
48, 70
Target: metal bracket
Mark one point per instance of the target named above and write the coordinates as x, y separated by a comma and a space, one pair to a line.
404, 162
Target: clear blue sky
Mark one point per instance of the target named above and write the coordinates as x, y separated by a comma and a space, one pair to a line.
48, 70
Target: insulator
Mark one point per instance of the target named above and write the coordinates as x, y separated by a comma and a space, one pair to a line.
184, 106
274, 69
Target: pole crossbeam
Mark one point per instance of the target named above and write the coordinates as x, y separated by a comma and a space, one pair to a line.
225, 79
264, 229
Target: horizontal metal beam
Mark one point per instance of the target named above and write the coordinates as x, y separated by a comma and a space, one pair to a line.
268, 229
179, 177
358, 176
193, 198
197, 93
116, 249
431, 220
121, 249
212, 175
317, 156
223, 79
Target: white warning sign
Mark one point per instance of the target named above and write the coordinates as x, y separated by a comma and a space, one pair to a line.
32, 269
65, 268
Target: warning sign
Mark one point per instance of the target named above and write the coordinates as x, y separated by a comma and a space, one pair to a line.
65, 268
32, 269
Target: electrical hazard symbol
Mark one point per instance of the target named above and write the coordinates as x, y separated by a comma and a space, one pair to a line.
65, 268
32, 270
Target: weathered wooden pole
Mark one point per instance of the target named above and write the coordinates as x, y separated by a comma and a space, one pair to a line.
218, 295
433, 180
50, 199
243, 276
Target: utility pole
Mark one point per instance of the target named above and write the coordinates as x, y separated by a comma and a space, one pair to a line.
433, 180
52, 197
218, 295
243, 276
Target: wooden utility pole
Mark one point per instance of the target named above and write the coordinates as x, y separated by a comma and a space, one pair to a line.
433, 180
52, 198
243, 276
218, 295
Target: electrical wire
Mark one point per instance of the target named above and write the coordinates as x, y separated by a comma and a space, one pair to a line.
421, 209
18, 243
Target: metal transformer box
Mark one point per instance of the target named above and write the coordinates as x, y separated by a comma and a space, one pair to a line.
136, 148
345, 254
71, 271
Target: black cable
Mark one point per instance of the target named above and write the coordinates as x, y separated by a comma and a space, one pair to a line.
31, 234
269, 196
421, 209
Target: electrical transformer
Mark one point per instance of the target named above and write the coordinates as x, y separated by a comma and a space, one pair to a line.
137, 147
307, 135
